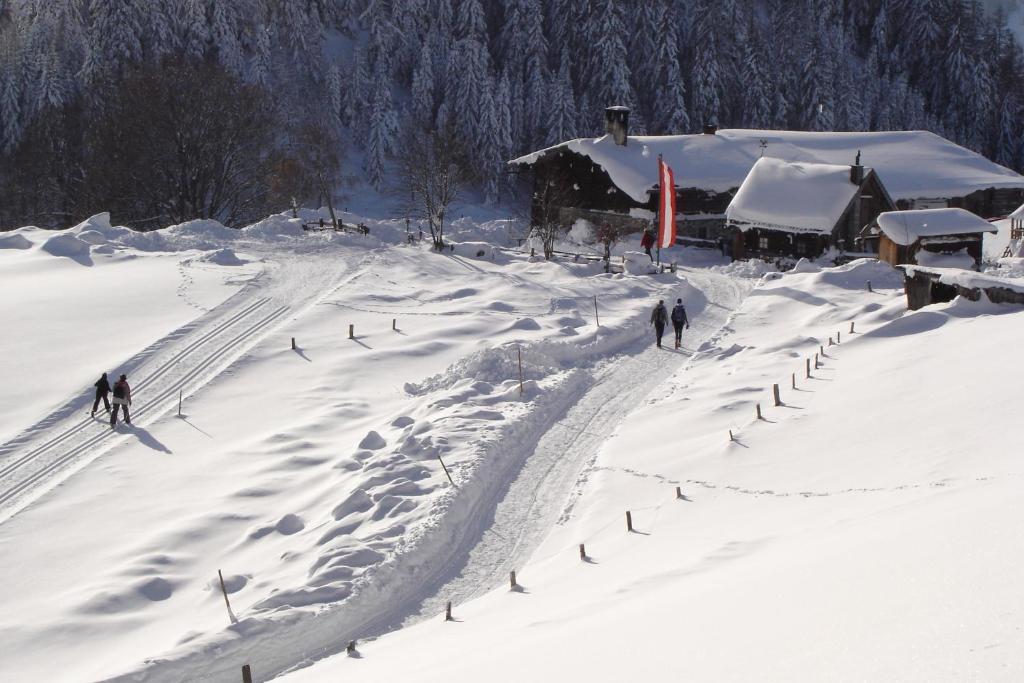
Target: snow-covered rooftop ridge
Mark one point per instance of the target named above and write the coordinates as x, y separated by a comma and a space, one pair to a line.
911, 164
802, 197
906, 227
1019, 213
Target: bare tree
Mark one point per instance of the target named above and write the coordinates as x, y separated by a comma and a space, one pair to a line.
317, 151
607, 235
433, 169
548, 199
179, 140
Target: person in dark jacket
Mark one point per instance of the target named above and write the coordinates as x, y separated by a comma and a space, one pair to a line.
647, 241
659, 316
679, 320
102, 389
122, 398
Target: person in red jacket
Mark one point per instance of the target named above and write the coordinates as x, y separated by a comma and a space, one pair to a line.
646, 242
122, 398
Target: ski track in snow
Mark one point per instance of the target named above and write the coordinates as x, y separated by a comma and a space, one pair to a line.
529, 488
63, 442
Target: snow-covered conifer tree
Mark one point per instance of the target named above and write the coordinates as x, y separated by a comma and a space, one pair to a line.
423, 88
195, 29
561, 123
382, 128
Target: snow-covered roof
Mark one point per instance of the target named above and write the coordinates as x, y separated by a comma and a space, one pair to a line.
910, 164
1019, 213
799, 197
906, 227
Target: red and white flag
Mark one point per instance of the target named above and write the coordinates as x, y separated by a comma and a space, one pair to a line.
667, 208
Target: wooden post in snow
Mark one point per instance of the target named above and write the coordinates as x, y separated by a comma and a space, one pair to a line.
759, 412
869, 287
246, 674
224, 590
851, 327
351, 331
821, 348
394, 323
351, 649
293, 343
731, 437
519, 352
808, 360
179, 402
446, 470
583, 552
597, 318
839, 334
629, 521
815, 361
775, 391
679, 493
512, 580
448, 611
793, 381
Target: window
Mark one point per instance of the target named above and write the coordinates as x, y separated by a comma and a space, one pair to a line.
762, 242
801, 247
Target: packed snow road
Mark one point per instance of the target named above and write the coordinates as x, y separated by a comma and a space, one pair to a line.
543, 492
172, 368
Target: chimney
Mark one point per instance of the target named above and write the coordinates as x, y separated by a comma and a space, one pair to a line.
710, 128
616, 123
857, 171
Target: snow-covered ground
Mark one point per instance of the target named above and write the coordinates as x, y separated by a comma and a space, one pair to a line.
311, 476
866, 529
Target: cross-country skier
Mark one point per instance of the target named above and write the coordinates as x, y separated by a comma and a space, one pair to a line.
659, 316
102, 389
679, 320
123, 398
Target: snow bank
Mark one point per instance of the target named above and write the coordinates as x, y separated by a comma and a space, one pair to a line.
751, 268
14, 242
222, 257
475, 250
930, 259
68, 246
274, 227
637, 263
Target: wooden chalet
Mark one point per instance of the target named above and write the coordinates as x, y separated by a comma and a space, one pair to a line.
940, 238
613, 179
787, 210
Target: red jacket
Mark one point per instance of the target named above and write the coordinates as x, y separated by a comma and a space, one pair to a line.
647, 240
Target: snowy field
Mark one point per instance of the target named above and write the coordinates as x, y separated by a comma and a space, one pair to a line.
867, 529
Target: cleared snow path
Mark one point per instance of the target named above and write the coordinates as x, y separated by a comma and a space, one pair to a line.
63, 442
543, 492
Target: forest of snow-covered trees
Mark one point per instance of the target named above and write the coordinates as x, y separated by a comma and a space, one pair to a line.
506, 76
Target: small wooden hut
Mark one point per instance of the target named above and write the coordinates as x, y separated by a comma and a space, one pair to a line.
940, 238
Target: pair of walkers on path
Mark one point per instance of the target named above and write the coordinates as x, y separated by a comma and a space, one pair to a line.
660, 317
122, 398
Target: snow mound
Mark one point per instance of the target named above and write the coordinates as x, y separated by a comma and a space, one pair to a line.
68, 246
752, 269
15, 242
960, 259
477, 250
277, 226
637, 263
222, 257
805, 266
